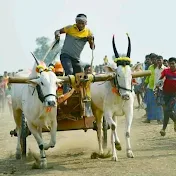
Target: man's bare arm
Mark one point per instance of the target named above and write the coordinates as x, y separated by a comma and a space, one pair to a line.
91, 42
58, 32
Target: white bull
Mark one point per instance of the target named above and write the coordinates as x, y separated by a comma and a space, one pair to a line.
112, 101
37, 113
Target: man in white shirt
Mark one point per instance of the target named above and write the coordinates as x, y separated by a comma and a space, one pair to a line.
158, 70
160, 67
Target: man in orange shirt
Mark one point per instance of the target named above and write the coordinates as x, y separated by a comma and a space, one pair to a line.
5, 78
59, 71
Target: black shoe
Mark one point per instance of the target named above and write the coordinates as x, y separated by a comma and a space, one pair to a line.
146, 121
162, 132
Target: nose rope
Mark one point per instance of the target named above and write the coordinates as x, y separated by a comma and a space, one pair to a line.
123, 88
41, 95
50, 95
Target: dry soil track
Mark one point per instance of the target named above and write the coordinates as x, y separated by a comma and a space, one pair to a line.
154, 155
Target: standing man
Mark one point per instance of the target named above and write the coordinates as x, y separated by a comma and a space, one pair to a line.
77, 36
147, 61
154, 112
160, 67
105, 60
2, 94
138, 85
169, 91
147, 64
165, 62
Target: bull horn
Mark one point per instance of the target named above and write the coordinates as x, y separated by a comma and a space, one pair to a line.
35, 59
129, 46
114, 48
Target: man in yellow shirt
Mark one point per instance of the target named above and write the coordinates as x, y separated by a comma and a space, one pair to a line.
154, 112
105, 60
77, 36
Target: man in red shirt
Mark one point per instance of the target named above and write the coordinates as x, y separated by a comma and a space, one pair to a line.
169, 91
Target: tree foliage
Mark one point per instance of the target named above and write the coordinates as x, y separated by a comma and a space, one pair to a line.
43, 44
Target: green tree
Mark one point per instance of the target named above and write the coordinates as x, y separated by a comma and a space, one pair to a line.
43, 44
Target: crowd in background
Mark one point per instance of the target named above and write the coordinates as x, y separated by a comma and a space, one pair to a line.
145, 87
5, 91
157, 93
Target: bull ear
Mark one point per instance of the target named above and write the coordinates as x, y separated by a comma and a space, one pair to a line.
33, 81
110, 68
59, 80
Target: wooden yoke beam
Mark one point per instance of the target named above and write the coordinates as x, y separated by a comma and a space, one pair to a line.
96, 78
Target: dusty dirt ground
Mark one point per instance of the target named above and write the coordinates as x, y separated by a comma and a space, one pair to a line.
154, 155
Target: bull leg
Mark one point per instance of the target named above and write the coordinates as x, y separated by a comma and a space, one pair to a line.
100, 136
36, 134
115, 142
17, 118
98, 114
129, 119
53, 131
43, 161
114, 154
40, 131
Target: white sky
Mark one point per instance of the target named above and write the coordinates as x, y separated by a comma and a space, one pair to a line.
150, 24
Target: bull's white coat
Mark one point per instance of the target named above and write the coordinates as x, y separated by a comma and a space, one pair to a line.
25, 99
111, 105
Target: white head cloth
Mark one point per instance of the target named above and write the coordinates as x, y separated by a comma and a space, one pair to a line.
82, 18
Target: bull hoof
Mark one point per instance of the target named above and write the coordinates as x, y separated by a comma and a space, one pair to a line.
114, 158
43, 164
18, 156
118, 146
130, 154
46, 146
94, 155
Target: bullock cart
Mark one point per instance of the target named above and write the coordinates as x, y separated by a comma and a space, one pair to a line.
76, 114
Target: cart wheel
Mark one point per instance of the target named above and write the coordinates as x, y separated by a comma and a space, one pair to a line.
105, 135
23, 136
